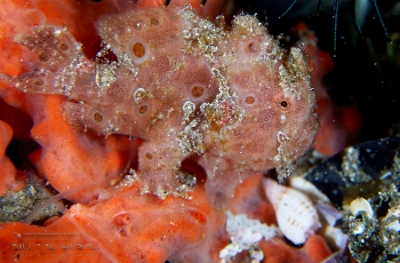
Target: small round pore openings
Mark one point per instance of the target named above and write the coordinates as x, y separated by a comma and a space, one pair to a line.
197, 91
97, 117
154, 21
38, 82
138, 50
148, 156
143, 109
249, 100
44, 57
63, 47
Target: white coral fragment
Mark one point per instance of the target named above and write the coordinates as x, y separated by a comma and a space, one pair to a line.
139, 94
359, 205
105, 76
188, 109
190, 140
245, 233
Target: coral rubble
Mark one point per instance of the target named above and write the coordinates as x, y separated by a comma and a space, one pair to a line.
364, 181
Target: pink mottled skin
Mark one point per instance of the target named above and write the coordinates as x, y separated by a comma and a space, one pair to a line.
232, 100
238, 90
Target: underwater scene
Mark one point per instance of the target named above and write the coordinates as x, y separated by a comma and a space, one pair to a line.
167, 131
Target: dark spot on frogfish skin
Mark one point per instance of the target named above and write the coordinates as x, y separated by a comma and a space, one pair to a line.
38, 82
63, 47
284, 104
154, 22
44, 57
253, 47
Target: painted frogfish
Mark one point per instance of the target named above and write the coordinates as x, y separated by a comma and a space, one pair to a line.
227, 97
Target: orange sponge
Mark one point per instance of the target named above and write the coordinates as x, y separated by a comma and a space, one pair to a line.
129, 227
10, 178
69, 158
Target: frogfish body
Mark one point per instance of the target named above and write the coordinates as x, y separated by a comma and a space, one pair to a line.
232, 100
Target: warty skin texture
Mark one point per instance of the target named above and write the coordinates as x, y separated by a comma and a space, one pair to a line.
232, 100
